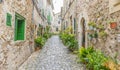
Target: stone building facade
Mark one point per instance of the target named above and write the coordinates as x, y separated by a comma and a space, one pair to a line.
39, 20
101, 13
56, 26
69, 15
19, 26
45, 8
16, 40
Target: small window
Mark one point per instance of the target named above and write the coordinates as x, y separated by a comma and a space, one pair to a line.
19, 27
8, 20
57, 29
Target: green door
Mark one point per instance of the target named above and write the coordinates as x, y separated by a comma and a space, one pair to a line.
20, 30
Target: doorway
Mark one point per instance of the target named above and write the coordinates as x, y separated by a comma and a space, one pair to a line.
83, 31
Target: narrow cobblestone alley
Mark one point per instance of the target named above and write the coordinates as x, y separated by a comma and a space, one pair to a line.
54, 56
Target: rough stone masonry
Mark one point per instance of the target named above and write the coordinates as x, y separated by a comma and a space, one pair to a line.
98, 11
14, 53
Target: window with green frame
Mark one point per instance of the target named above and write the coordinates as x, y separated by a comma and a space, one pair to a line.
8, 19
19, 27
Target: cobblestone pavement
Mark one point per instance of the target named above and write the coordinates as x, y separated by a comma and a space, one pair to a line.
54, 56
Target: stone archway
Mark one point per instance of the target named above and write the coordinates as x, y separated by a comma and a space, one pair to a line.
83, 29
83, 21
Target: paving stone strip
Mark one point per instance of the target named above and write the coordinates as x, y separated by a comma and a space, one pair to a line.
54, 56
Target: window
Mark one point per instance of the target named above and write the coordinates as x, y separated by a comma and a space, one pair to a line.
19, 27
8, 19
58, 22
57, 29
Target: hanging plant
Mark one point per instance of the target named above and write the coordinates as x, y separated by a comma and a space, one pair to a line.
102, 34
92, 24
95, 35
100, 27
90, 35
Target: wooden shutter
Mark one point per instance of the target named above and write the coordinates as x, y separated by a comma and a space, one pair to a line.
8, 20
16, 28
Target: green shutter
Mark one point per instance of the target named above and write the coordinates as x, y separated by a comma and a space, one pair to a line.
8, 20
16, 28
42, 12
49, 18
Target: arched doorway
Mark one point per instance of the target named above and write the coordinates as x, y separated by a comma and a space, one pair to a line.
83, 31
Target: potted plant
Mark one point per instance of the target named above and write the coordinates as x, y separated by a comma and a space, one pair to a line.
39, 42
100, 27
92, 25
113, 25
102, 34
90, 36
95, 34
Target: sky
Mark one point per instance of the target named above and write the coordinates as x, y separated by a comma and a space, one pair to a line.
57, 5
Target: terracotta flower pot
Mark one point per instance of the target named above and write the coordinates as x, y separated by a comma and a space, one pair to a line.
113, 25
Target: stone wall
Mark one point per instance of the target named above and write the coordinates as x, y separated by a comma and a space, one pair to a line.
38, 21
98, 11
14, 53
69, 14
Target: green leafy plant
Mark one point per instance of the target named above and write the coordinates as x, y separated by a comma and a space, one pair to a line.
110, 21
96, 60
92, 24
100, 27
40, 41
47, 35
73, 44
83, 52
102, 34
93, 59
69, 40
95, 35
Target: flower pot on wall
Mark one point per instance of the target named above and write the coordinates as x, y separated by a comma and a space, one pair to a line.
113, 25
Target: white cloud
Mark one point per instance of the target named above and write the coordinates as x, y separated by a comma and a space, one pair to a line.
57, 5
